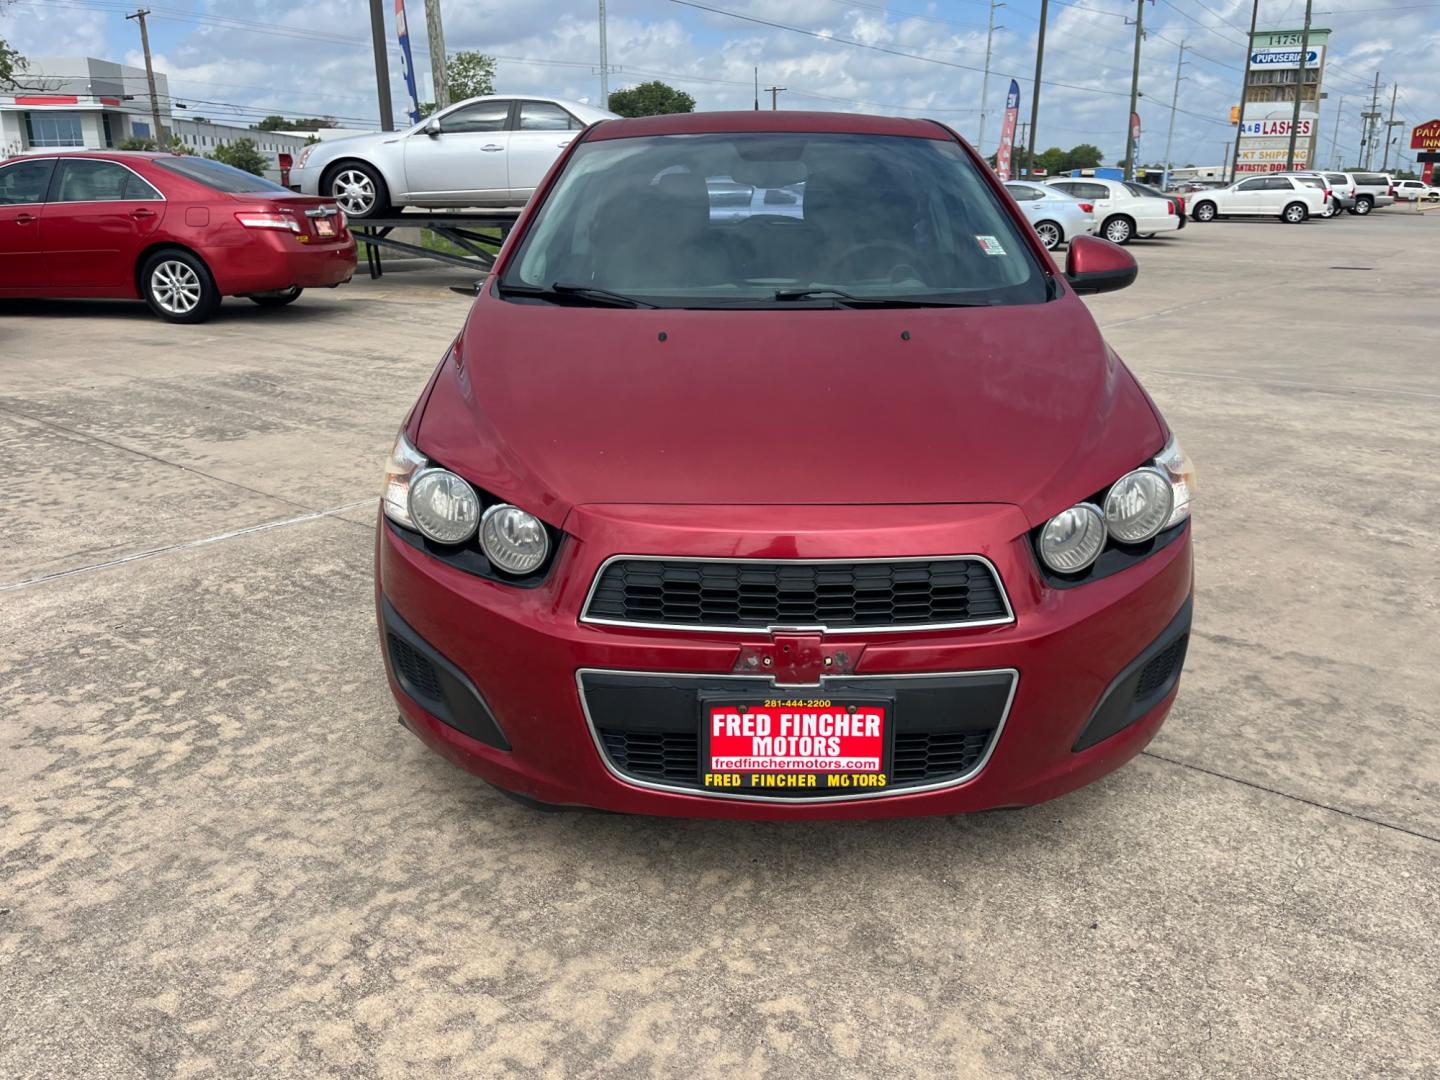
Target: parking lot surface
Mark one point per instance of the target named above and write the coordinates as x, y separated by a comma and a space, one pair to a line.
220, 855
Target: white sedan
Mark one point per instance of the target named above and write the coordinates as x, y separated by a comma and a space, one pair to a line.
1121, 214
1288, 198
487, 151
1055, 216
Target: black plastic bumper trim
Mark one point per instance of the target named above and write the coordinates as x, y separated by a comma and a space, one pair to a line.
450, 696
1130, 696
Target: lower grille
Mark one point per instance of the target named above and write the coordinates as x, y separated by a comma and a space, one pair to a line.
415, 668
748, 594
924, 755
656, 755
1157, 671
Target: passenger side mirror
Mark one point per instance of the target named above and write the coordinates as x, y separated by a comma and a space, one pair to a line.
433, 127
1093, 266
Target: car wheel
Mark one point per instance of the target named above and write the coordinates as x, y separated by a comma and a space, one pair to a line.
1204, 211
1118, 230
277, 297
178, 287
1294, 214
1050, 234
1363, 205
358, 188
1331, 209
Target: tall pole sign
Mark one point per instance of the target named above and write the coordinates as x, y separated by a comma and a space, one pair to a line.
1280, 113
1007, 131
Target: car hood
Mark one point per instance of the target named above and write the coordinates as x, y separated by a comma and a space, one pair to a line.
553, 407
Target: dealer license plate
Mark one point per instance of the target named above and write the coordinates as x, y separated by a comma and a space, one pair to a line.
324, 227
796, 745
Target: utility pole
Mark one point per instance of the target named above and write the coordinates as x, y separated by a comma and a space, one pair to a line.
1335, 136
1226, 157
382, 64
1390, 125
604, 62
1244, 90
435, 29
1035, 90
774, 92
1019, 144
985, 84
1367, 124
1300, 93
1134, 92
158, 133
757, 89
1174, 104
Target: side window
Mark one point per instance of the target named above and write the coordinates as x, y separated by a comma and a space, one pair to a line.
1280, 183
482, 116
1022, 194
1091, 191
543, 116
25, 181
1256, 184
92, 181
1068, 189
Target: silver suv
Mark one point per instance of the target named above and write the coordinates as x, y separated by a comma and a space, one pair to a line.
1372, 190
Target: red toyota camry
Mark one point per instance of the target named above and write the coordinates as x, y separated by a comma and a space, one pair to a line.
177, 232
825, 502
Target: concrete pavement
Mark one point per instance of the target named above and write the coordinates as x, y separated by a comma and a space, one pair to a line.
219, 855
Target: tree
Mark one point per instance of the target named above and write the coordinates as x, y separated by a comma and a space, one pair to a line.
308, 123
271, 123
11, 63
651, 99
144, 142
470, 74
241, 154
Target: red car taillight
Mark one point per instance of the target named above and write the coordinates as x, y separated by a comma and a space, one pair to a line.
1089, 208
1170, 206
256, 220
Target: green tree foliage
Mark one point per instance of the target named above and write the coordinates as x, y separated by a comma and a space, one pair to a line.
274, 122
11, 64
241, 154
470, 74
1055, 160
651, 99
144, 142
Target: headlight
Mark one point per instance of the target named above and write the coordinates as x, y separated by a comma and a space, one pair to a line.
1177, 466
443, 506
405, 461
1072, 539
513, 540
1138, 505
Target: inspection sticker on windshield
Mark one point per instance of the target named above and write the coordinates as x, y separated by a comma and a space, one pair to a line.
990, 246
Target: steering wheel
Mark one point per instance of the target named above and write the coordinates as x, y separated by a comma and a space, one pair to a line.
852, 253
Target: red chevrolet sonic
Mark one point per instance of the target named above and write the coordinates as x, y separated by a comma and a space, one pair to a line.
777, 472
178, 232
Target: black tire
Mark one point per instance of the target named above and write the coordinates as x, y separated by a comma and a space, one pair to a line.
1295, 213
1363, 205
358, 188
278, 298
1204, 211
1051, 235
1118, 229
178, 287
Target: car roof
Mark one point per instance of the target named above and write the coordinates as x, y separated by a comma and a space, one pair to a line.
104, 155
706, 123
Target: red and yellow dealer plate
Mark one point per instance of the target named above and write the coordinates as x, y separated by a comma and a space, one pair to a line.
801, 745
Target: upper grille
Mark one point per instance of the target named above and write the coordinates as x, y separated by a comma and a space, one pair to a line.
747, 594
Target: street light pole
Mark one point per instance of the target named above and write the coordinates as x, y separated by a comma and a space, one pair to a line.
1174, 104
1300, 91
1134, 92
985, 83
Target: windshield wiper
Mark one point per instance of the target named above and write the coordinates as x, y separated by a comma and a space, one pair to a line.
845, 299
568, 291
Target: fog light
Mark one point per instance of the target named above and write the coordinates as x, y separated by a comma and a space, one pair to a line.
513, 540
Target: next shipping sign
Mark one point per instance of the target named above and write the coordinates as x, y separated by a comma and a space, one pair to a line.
795, 743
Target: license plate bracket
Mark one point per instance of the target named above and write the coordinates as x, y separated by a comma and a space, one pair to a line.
324, 227
796, 744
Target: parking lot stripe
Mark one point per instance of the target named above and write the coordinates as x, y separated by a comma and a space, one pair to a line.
1323, 388
185, 545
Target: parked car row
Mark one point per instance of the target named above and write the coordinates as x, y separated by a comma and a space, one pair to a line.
1064, 207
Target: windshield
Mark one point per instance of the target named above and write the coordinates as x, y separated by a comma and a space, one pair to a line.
221, 177
734, 219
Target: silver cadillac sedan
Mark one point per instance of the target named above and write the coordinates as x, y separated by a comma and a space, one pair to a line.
1056, 216
487, 151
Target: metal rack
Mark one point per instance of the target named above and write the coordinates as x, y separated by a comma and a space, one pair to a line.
459, 228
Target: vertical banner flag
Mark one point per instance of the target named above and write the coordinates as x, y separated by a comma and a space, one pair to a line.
1007, 131
407, 63
1135, 126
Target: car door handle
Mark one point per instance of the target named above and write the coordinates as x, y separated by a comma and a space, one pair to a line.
488, 147
141, 214
24, 219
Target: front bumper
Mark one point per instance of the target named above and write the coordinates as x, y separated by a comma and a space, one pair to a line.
1053, 673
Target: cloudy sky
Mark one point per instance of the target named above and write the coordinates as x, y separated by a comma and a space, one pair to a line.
242, 59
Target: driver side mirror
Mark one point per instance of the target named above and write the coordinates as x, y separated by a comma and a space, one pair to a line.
1093, 266
433, 127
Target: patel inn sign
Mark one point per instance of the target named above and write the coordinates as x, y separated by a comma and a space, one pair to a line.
1426, 136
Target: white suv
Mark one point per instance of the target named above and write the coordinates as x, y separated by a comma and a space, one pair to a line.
1372, 191
1285, 197
1415, 190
